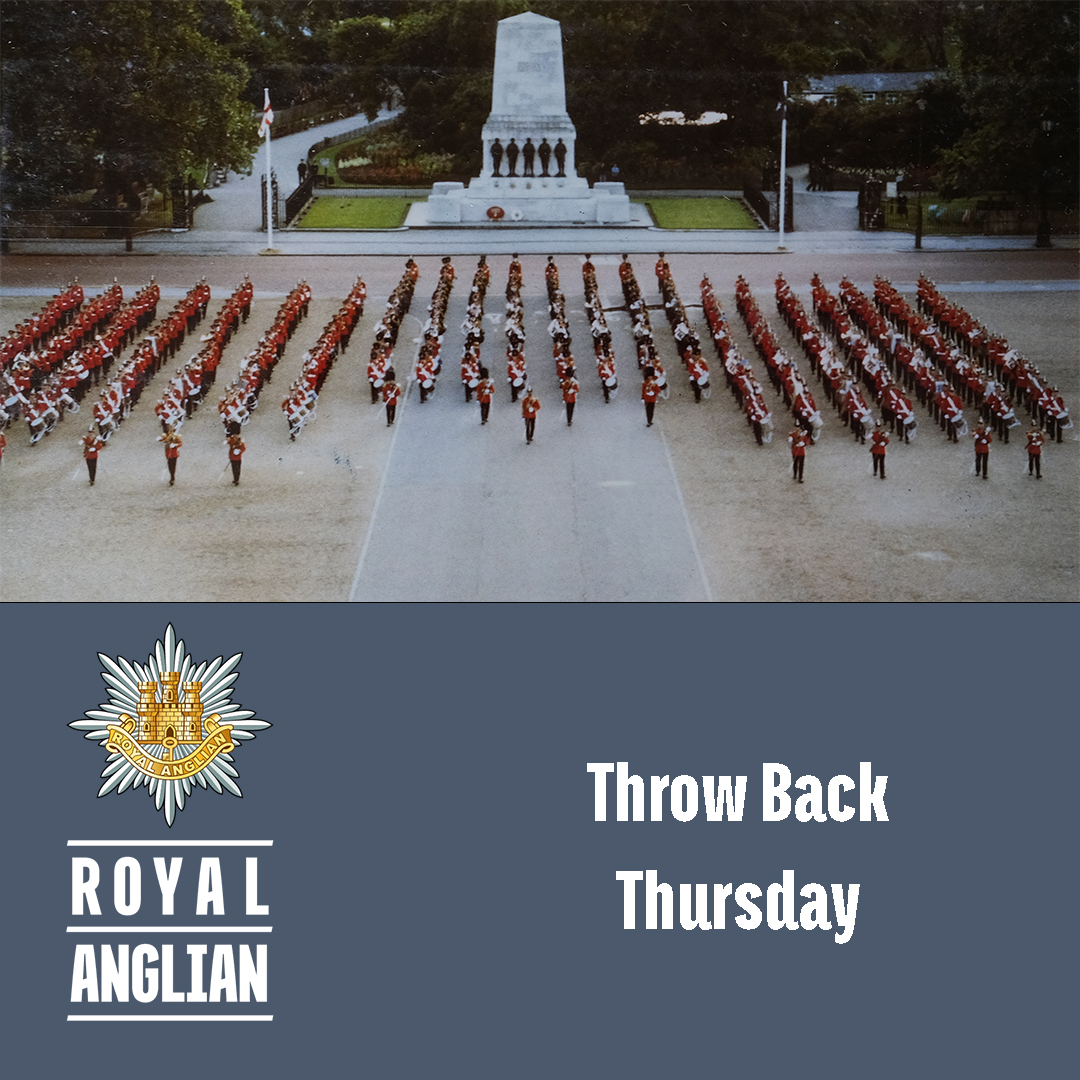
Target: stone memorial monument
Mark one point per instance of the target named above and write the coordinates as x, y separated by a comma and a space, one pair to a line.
528, 169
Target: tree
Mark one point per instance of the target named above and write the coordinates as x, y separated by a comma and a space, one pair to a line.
1018, 66
358, 48
119, 94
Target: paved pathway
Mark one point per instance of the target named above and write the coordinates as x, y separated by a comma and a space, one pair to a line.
593, 512
469, 512
237, 204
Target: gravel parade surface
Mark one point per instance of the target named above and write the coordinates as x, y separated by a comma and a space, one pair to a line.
439, 508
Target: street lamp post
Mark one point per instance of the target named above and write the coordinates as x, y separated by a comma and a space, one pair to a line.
1042, 234
921, 103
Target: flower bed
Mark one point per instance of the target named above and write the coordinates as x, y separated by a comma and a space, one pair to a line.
388, 159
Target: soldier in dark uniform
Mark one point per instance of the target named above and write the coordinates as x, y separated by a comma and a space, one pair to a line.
560, 157
511, 158
545, 156
496, 157
528, 152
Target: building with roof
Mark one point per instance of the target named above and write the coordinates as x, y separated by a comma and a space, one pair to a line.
892, 87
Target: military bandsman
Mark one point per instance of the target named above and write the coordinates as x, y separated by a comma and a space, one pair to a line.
798, 440
570, 388
983, 439
1035, 440
236, 452
172, 442
92, 444
484, 389
391, 392
530, 406
879, 440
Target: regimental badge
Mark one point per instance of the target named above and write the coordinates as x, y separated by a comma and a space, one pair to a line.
170, 725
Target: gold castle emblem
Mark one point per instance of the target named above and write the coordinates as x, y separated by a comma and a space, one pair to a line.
170, 723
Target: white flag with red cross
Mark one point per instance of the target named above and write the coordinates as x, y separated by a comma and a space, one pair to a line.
268, 114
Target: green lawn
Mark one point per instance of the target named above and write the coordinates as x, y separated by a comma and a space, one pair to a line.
374, 212
701, 214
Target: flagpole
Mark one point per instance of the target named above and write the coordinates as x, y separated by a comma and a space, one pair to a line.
269, 182
783, 166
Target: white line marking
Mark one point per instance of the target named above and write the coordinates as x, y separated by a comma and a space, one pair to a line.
164, 1016
170, 843
382, 485
169, 929
686, 517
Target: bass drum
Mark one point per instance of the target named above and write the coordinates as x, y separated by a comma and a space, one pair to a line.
519, 382
706, 390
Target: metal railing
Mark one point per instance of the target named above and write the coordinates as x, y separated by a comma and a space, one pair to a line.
766, 204
347, 136
299, 198
309, 114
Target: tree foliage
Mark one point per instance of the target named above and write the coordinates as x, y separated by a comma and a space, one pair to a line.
1018, 66
857, 134
105, 94
119, 94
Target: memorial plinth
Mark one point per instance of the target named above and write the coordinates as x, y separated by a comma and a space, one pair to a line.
528, 140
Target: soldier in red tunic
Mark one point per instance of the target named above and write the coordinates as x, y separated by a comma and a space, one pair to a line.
570, 388
797, 440
880, 440
530, 406
236, 452
172, 442
484, 389
92, 444
650, 391
983, 439
1035, 440
391, 392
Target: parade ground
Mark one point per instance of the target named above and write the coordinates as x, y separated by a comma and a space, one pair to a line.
439, 508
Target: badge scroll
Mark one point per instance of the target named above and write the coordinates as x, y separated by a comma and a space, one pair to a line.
169, 724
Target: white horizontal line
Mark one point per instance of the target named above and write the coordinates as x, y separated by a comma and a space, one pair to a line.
170, 929
170, 843
163, 1016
